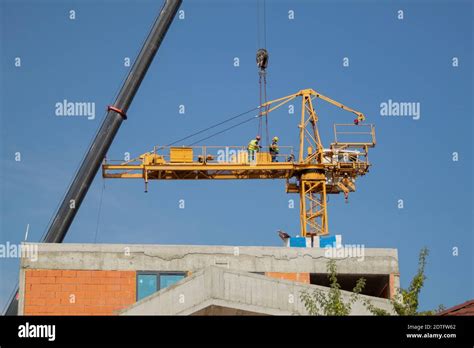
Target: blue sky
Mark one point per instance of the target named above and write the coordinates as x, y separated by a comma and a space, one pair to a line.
407, 60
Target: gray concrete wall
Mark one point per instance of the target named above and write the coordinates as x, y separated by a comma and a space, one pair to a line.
21, 292
234, 292
194, 258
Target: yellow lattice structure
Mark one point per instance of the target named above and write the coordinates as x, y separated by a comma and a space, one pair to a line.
313, 173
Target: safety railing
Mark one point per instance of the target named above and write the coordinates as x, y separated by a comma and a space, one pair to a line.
350, 135
220, 154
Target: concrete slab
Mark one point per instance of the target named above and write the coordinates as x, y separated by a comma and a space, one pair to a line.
219, 291
196, 257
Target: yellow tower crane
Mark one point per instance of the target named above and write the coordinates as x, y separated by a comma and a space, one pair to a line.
314, 173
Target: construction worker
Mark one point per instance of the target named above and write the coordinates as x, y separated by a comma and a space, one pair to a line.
253, 147
274, 150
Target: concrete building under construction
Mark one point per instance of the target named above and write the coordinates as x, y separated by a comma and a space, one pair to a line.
114, 279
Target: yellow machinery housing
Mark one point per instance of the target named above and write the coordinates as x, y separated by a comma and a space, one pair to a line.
314, 173
181, 154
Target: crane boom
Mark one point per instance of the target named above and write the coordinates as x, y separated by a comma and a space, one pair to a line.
111, 124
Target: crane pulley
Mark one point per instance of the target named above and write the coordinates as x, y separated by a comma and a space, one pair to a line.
262, 61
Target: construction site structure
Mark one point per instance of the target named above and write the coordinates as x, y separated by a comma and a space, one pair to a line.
313, 172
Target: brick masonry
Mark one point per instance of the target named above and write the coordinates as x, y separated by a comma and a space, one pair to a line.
70, 292
297, 277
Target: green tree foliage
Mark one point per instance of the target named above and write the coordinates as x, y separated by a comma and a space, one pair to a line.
406, 303
318, 302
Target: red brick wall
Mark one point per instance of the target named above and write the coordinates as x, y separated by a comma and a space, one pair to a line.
297, 277
69, 292
392, 290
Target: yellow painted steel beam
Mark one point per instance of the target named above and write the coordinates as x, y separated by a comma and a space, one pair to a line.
311, 92
313, 214
227, 167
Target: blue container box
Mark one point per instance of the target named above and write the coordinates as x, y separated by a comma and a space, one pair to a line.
330, 241
298, 242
